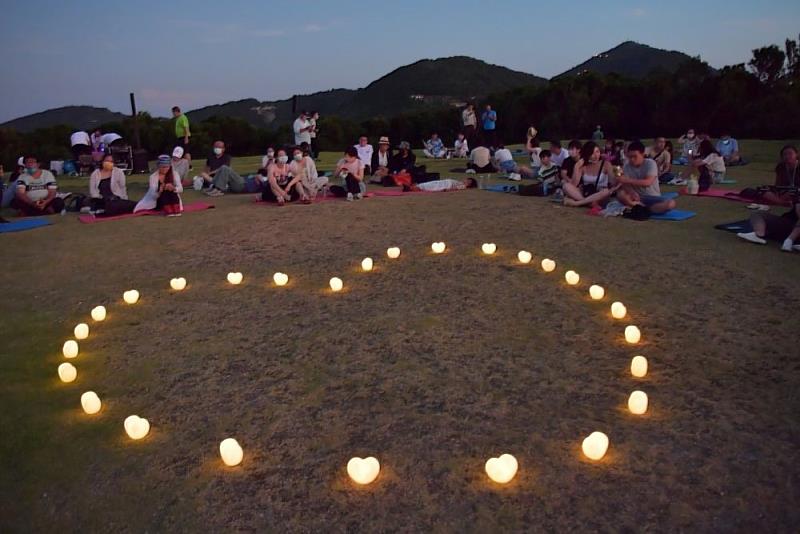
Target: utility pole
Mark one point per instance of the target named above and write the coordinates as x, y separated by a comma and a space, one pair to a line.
136, 137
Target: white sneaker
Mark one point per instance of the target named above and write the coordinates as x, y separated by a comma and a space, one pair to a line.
752, 237
349, 197
359, 196
788, 245
470, 171
514, 176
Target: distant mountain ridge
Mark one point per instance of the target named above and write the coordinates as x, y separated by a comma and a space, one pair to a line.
630, 59
77, 116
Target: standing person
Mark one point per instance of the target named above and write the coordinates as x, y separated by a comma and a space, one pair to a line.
108, 193
281, 187
81, 144
313, 150
598, 134
639, 182
304, 168
302, 129
164, 190
470, 123
364, 151
489, 123
97, 139
182, 133
351, 169
36, 191
219, 174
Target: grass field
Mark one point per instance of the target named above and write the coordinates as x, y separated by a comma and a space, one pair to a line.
433, 364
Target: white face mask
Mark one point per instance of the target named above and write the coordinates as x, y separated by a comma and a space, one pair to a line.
270, 154
283, 159
298, 157
217, 150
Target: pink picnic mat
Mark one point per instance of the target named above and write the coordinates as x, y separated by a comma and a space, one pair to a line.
187, 208
399, 193
728, 194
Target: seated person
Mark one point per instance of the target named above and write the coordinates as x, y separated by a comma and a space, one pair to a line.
787, 174
447, 184
381, 159
534, 150
557, 154
303, 166
547, 172
180, 165
460, 148
108, 194
219, 174
81, 144
10, 190
710, 164
164, 190
36, 191
785, 228
403, 160
480, 160
663, 158
351, 169
281, 186
504, 161
267, 160
434, 147
638, 183
728, 148
365, 151
574, 151
590, 183
689, 145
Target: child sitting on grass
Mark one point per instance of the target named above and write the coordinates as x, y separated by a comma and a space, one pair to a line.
548, 171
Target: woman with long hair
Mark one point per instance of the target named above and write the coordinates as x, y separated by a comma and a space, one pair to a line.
591, 179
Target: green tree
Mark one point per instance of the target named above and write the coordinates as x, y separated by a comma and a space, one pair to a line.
767, 63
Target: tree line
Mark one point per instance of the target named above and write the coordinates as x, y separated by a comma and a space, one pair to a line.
760, 99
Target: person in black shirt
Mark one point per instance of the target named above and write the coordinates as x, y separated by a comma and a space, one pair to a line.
219, 174
574, 149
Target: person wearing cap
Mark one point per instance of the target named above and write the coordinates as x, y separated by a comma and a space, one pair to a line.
164, 191
434, 147
108, 193
302, 129
182, 132
180, 165
36, 191
403, 160
380, 159
219, 174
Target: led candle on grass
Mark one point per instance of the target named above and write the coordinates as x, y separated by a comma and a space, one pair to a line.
231, 452
280, 279
595, 445
81, 331
548, 265
597, 292
70, 348
235, 278
639, 366
572, 277
618, 310
67, 372
99, 313
524, 256
90, 402
336, 284
489, 248
637, 402
438, 247
632, 334
502, 469
136, 427
366, 265
393, 252
131, 296
363, 470
178, 284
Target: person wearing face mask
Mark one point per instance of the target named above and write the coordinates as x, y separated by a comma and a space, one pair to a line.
689, 145
36, 191
728, 148
590, 183
303, 167
220, 175
281, 186
164, 191
351, 169
108, 194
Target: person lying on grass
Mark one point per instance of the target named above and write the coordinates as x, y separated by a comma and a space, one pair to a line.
36, 191
638, 183
784, 228
281, 187
590, 183
164, 191
447, 184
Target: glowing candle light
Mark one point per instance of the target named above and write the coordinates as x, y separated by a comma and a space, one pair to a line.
231, 452
572, 277
336, 284
366, 265
67, 372
99, 313
363, 470
489, 248
235, 278
597, 292
90, 402
70, 348
280, 279
637, 402
618, 310
548, 265
524, 256
639, 366
136, 427
178, 284
632, 334
595, 445
131, 296
438, 247
502, 469
393, 252
81, 331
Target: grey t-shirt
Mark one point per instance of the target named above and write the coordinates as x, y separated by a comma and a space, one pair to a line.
647, 168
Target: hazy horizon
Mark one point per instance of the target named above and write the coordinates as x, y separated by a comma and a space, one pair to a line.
195, 55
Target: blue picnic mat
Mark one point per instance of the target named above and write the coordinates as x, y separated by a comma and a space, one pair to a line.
673, 215
24, 224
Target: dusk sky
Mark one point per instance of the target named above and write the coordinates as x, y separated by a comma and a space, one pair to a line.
192, 54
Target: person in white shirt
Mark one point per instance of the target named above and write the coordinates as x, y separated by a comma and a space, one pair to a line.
448, 184
312, 146
302, 129
504, 161
534, 150
557, 154
267, 160
110, 138
364, 150
303, 166
80, 143
97, 136
711, 161
461, 147
470, 122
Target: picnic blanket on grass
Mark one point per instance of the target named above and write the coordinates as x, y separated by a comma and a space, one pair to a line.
728, 194
187, 208
317, 200
22, 225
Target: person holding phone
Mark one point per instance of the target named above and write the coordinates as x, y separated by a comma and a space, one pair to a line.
690, 144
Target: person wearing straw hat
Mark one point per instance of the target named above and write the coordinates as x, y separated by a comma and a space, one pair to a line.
164, 191
381, 159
